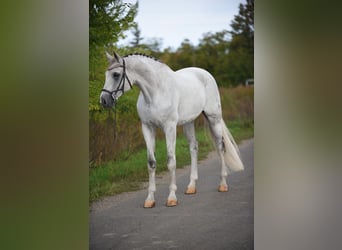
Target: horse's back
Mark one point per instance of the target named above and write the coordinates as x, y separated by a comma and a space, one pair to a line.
201, 88
198, 75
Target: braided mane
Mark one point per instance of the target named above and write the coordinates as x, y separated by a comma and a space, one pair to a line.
141, 54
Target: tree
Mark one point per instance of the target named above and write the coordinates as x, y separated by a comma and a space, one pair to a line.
137, 36
243, 24
152, 45
108, 19
241, 49
185, 55
212, 55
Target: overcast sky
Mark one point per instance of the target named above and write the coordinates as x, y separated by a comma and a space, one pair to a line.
175, 20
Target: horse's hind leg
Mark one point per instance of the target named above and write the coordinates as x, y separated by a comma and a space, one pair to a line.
149, 136
189, 132
217, 134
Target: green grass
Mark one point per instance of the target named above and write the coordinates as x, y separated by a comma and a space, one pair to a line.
129, 171
241, 130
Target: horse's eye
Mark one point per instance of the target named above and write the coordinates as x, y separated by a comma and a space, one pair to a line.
116, 75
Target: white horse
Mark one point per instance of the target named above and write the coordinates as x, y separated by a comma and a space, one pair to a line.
169, 98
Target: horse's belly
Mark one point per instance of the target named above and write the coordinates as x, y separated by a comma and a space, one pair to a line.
185, 119
190, 107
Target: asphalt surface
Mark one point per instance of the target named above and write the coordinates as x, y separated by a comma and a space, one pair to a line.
207, 220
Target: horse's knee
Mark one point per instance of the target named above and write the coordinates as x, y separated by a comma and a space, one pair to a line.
171, 162
151, 164
194, 147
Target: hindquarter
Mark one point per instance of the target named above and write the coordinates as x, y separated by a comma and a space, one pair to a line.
192, 95
199, 92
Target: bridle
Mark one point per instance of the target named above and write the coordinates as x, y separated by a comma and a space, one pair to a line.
121, 86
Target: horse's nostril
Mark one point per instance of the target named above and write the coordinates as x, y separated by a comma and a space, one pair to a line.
103, 101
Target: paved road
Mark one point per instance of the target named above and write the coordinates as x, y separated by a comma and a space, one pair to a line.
206, 220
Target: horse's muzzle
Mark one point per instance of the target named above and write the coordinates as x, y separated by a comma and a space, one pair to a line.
106, 100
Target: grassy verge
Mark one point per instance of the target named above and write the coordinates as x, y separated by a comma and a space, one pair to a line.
129, 171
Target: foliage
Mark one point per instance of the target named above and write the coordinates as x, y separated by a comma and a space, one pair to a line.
212, 55
137, 36
108, 19
229, 61
227, 55
241, 50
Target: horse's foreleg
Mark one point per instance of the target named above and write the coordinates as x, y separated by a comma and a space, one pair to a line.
189, 132
149, 136
170, 134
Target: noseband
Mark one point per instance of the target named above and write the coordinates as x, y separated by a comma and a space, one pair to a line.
121, 86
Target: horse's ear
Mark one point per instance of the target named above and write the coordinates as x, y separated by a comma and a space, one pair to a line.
117, 57
109, 57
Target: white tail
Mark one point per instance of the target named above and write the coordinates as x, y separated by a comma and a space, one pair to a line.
231, 155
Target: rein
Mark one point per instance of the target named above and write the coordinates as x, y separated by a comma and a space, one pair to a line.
121, 86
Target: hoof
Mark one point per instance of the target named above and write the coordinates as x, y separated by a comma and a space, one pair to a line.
223, 188
171, 203
149, 204
190, 190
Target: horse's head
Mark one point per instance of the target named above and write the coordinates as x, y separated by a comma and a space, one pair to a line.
114, 85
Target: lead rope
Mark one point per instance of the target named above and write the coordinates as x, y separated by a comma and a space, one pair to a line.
115, 127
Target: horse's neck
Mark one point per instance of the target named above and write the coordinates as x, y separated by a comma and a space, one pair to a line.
146, 74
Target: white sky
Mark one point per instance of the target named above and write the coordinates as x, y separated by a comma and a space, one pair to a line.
175, 20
